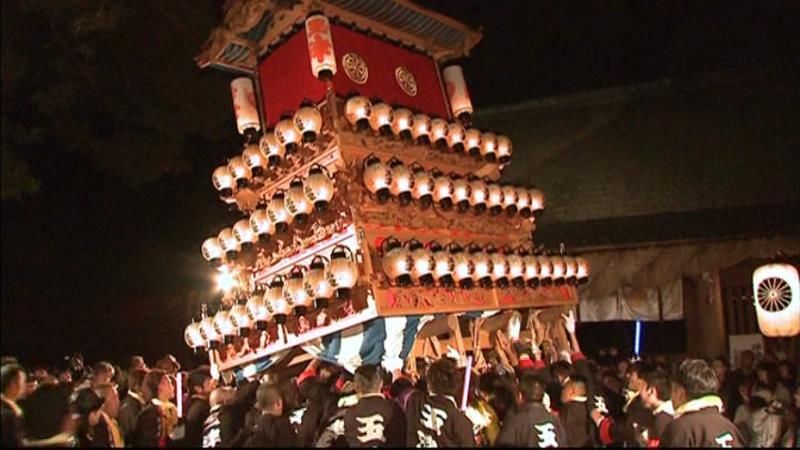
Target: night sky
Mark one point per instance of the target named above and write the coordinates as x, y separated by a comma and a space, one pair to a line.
110, 134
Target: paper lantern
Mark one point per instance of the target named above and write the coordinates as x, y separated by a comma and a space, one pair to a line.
402, 122
402, 181
545, 270
229, 243
287, 135
212, 251
462, 266
482, 266
244, 106
443, 265
223, 181
262, 227
342, 271
479, 194
241, 173
273, 149
499, 264
357, 110
377, 178
258, 310
570, 270
422, 263
295, 291
193, 336
489, 146
308, 122
316, 282
503, 149
559, 270
224, 326
442, 190
423, 186
276, 302
472, 142
209, 333
776, 295
584, 269
510, 199
516, 269
460, 103
421, 129
396, 261
241, 319
320, 47
381, 118
277, 212
244, 234
494, 198
319, 187
254, 159
537, 202
296, 202
532, 269
461, 192
455, 137
524, 202
438, 134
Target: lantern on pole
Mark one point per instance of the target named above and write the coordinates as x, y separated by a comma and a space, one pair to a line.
357, 110
377, 178
213, 252
422, 263
223, 181
320, 47
402, 123
423, 186
319, 187
421, 129
442, 190
443, 265
402, 181
343, 271
316, 282
381, 118
244, 106
277, 212
295, 292
460, 103
396, 261
472, 142
262, 227
273, 149
296, 202
308, 122
254, 159
776, 295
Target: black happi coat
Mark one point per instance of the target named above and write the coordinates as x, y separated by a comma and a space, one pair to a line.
531, 426
436, 421
375, 422
705, 427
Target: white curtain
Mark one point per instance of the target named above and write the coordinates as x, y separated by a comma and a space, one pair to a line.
631, 303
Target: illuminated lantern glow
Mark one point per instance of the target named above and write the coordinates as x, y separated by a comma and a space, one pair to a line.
472, 142
244, 106
308, 122
287, 135
438, 134
584, 269
258, 310
460, 103
316, 282
482, 272
272, 148
209, 332
494, 198
479, 194
241, 319
443, 265
524, 202
422, 258
342, 271
277, 212
402, 181
499, 263
229, 243
423, 186
570, 270
358, 110
516, 269
262, 227
545, 270
244, 234
295, 291
377, 178
296, 202
402, 123
559, 270
396, 261
381, 118
320, 47
503, 149
193, 336
421, 129
241, 173
223, 181
213, 252
510, 199
276, 302
489, 146
461, 192
319, 187
455, 137
254, 159
224, 326
442, 190
532, 269
537, 202
776, 297
227, 280
462, 266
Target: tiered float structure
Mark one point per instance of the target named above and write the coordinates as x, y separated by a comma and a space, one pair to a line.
370, 206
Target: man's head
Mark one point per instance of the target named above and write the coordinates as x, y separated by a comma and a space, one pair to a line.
269, 399
102, 373
695, 379
137, 362
531, 388
221, 396
88, 404
136, 380
13, 381
110, 399
442, 378
368, 379
158, 385
200, 381
574, 389
633, 375
747, 359
721, 366
560, 370
655, 388
169, 364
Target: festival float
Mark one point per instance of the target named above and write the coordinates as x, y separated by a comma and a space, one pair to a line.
373, 224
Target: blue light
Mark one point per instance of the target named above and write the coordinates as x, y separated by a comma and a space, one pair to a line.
638, 341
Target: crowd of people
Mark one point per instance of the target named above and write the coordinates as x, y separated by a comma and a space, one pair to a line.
529, 394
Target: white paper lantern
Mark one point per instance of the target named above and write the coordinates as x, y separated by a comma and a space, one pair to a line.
584, 269
570, 270
482, 266
462, 266
277, 212
254, 159
241, 319
500, 268
443, 265
479, 194
438, 134
461, 192
377, 178
316, 282
276, 302
524, 202
296, 202
342, 271
320, 47
776, 295
472, 142
402, 122
295, 292
503, 149
402, 181
273, 149
308, 122
244, 105
212, 251
423, 186
545, 270
396, 261
224, 326
262, 227
258, 310
241, 173
229, 243
510, 199
421, 129
537, 202
193, 336
532, 271
495, 198
516, 269
455, 137
319, 187
442, 190
222, 178
489, 146
287, 134
244, 234
381, 119
357, 110
460, 103
422, 259
210, 335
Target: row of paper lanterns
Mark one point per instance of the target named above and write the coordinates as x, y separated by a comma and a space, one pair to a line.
402, 123
296, 292
395, 179
465, 266
304, 196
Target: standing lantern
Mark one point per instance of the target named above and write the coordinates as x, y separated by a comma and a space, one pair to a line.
396, 261
213, 252
244, 234
472, 142
438, 134
357, 110
320, 47
423, 186
381, 118
489, 146
442, 190
443, 265
241, 173
286, 134
422, 263
776, 295
460, 103
343, 271
295, 292
296, 202
274, 151
455, 137
223, 181
254, 159
229, 243
402, 122
402, 181
319, 187
316, 282
461, 192
479, 194
278, 215
377, 178
262, 227
308, 122
244, 106
421, 129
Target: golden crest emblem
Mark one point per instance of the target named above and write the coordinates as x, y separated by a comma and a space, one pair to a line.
355, 67
406, 80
